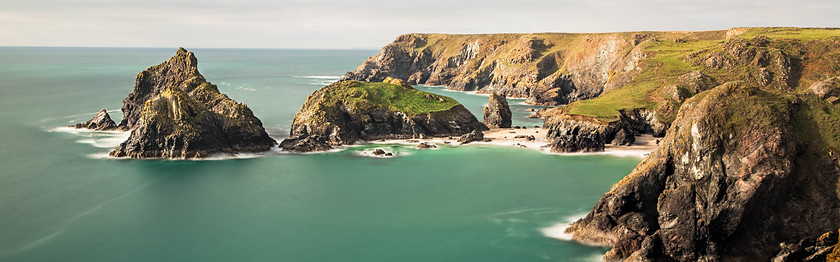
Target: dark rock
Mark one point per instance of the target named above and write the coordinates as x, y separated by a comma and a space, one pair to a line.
623, 138
473, 136
174, 112
426, 145
497, 112
569, 133
378, 152
101, 121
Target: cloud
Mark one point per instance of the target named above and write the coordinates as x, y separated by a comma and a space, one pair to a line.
369, 23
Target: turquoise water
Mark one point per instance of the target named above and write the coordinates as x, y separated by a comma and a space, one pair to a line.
60, 202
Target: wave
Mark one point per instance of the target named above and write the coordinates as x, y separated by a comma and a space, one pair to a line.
95, 138
320, 77
245, 88
558, 231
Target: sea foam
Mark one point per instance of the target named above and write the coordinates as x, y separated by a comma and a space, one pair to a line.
558, 231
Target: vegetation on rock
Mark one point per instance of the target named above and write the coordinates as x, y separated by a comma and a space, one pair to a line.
349, 111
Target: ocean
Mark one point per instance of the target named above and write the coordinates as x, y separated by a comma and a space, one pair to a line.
62, 199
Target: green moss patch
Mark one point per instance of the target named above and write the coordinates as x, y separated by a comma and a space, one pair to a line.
398, 98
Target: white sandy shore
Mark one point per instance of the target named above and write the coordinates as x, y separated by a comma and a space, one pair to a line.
507, 137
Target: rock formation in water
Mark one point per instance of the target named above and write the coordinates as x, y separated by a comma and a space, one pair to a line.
101, 122
173, 112
346, 112
497, 112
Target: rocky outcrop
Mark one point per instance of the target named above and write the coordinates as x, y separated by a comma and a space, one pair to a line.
101, 122
576, 133
547, 69
497, 112
827, 89
826, 247
173, 112
470, 137
350, 111
570, 133
731, 180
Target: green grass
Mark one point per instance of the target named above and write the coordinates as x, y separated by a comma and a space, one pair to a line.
661, 67
792, 33
405, 99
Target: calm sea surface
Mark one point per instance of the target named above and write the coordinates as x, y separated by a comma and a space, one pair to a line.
60, 200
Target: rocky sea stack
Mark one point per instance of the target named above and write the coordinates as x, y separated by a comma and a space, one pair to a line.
100, 122
350, 111
497, 112
173, 112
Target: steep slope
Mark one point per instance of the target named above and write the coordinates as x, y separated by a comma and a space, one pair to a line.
548, 69
174, 112
786, 59
745, 168
350, 111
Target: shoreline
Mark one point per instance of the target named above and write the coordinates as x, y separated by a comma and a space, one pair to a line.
507, 137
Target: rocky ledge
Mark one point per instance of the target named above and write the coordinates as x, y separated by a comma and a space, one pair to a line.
577, 133
346, 112
742, 171
173, 112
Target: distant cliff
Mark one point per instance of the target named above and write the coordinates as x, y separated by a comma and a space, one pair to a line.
547, 69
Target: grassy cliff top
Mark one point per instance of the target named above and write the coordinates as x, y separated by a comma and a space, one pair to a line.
814, 55
391, 94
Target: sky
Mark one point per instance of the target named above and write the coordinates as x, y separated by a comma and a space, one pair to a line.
370, 24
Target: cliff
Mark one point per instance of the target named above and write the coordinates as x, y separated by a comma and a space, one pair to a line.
173, 112
547, 69
746, 168
350, 111
786, 59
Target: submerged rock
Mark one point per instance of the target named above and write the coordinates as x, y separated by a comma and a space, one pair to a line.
497, 112
473, 136
350, 111
174, 112
101, 121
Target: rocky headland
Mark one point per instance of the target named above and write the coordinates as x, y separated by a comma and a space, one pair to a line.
351, 111
173, 112
747, 169
747, 123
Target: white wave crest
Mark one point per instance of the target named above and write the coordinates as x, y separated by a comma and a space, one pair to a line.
558, 231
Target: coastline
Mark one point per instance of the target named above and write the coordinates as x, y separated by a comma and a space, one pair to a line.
506, 137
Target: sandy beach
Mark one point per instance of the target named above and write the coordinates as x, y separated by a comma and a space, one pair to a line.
534, 138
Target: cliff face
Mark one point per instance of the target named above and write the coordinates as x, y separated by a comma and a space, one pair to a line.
548, 69
350, 111
732, 179
174, 112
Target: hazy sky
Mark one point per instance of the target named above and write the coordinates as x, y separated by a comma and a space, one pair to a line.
370, 23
